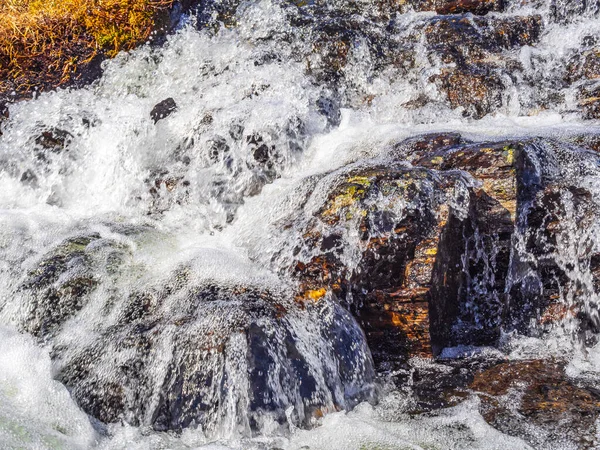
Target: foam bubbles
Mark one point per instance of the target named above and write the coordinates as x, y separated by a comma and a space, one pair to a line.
35, 411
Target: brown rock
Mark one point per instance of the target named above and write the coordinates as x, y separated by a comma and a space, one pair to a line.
515, 395
407, 282
589, 100
393, 268
478, 94
479, 7
475, 50
584, 65
462, 245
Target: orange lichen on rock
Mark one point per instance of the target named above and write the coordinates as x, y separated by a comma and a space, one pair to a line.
46, 43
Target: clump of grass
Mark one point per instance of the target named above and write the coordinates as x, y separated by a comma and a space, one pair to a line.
46, 43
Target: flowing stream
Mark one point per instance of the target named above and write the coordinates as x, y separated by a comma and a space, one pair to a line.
144, 261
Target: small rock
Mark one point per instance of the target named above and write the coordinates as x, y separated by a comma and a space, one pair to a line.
54, 140
163, 109
29, 178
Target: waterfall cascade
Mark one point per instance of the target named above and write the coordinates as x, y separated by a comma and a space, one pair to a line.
311, 225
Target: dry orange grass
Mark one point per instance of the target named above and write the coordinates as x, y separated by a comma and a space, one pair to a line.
43, 43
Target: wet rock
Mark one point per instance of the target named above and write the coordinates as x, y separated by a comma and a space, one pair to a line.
387, 289
555, 251
584, 65
4, 114
536, 401
446, 381
553, 286
440, 254
419, 264
413, 149
330, 108
589, 100
567, 10
582, 72
236, 131
460, 33
54, 140
166, 189
479, 7
476, 48
588, 141
62, 281
218, 147
467, 308
477, 94
219, 356
493, 164
29, 178
215, 14
163, 109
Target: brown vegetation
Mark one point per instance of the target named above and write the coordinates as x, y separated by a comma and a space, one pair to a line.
48, 43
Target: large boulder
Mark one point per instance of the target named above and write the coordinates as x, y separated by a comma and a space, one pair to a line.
419, 255
454, 242
230, 357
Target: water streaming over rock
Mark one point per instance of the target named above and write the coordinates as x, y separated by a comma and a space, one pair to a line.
293, 208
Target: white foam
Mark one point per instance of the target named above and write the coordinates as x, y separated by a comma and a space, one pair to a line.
36, 412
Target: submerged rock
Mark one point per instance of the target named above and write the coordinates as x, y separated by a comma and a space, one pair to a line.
61, 283
54, 140
538, 402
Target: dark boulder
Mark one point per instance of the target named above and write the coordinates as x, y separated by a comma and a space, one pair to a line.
182, 352
406, 247
217, 357
456, 248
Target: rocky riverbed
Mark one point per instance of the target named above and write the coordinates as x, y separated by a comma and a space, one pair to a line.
310, 225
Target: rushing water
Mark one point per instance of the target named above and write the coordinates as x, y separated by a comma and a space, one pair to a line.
166, 214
